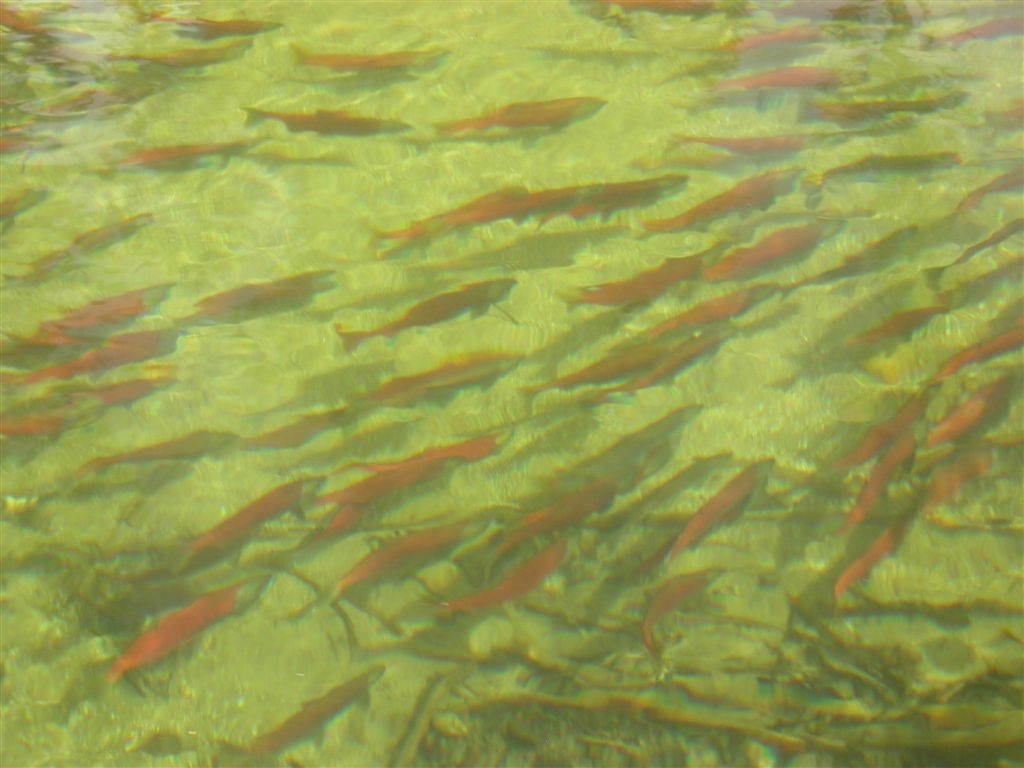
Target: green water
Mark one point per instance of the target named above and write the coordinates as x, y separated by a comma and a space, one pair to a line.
917, 663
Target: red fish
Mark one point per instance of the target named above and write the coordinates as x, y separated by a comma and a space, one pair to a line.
994, 347
621, 362
208, 29
595, 496
780, 244
95, 318
88, 242
749, 144
517, 582
190, 446
990, 30
757, 192
719, 308
722, 507
470, 297
868, 258
468, 450
371, 62
531, 114
255, 299
314, 715
192, 57
667, 598
21, 202
329, 122
405, 390
174, 629
677, 355
789, 77
645, 286
900, 452
972, 412
230, 531
116, 351
35, 423
876, 164
881, 435
184, 157
397, 553
787, 36
899, 325
880, 548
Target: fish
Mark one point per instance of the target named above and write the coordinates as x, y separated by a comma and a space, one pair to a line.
989, 30
18, 203
1006, 182
468, 450
516, 582
595, 496
788, 77
719, 308
857, 111
301, 431
371, 62
184, 157
767, 252
89, 242
972, 413
677, 355
621, 362
722, 507
899, 325
900, 452
756, 192
557, 113
946, 482
668, 597
787, 36
986, 350
646, 286
397, 554
883, 546
191, 57
227, 534
470, 297
35, 423
883, 434
876, 164
315, 714
174, 629
868, 258
115, 351
463, 372
190, 446
209, 29
753, 145
256, 299
1006, 231
612, 197
336, 122
124, 392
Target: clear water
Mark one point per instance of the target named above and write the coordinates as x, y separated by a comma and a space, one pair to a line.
918, 661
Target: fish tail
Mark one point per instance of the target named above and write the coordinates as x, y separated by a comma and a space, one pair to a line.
351, 339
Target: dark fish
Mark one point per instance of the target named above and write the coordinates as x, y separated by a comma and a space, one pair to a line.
89, 242
191, 57
666, 598
116, 351
767, 253
526, 115
405, 390
184, 157
789, 77
191, 446
329, 122
314, 715
208, 29
517, 582
255, 299
645, 286
371, 62
900, 452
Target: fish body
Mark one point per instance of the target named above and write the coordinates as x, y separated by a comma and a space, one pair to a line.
595, 496
788, 77
899, 453
532, 114
405, 390
757, 192
881, 435
371, 62
719, 308
255, 299
190, 446
336, 122
765, 254
116, 351
883, 546
89, 242
645, 286
192, 57
667, 598
175, 629
994, 347
209, 29
517, 582
972, 412
752, 145
184, 156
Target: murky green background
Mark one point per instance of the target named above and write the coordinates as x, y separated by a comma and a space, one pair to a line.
919, 664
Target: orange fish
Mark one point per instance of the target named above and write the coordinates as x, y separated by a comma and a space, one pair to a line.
787, 36
124, 392
190, 446
208, 29
229, 532
973, 412
255, 299
329, 122
517, 582
900, 452
468, 450
531, 114
479, 370
116, 351
757, 192
856, 111
994, 347
722, 507
788, 77
372, 62
475, 297
314, 715
94, 318
765, 254
397, 554
749, 144
192, 57
719, 308
677, 354
174, 629
645, 286
881, 435
184, 157
880, 548
989, 30
35, 423
899, 325
609, 198
593, 497
666, 598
